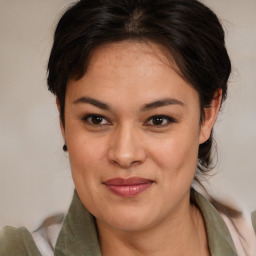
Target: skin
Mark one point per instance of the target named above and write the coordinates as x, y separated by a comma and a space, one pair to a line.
124, 141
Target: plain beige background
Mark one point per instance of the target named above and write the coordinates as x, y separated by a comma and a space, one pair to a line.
35, 179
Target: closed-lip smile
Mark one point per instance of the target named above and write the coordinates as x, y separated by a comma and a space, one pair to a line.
128, 187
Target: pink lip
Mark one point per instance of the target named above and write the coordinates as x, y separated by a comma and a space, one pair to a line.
128, 187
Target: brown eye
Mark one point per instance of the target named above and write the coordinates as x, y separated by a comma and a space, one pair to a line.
96, 120
159, 120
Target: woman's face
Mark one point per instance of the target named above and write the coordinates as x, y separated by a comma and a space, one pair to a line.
132, 127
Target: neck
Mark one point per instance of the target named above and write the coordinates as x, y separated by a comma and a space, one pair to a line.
182, 234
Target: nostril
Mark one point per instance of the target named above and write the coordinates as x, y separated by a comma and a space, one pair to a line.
125, 164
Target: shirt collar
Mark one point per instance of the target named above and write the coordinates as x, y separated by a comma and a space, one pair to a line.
219, 238
79, 236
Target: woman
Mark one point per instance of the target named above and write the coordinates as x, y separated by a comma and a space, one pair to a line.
139, 85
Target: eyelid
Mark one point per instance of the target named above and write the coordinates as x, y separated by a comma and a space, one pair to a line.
168, 118
86, 117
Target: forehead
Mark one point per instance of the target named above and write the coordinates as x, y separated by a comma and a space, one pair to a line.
131, 54
130, 69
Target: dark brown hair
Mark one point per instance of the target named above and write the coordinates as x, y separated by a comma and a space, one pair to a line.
188, 29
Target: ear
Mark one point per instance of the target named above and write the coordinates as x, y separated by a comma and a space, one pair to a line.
61, 123
210, 117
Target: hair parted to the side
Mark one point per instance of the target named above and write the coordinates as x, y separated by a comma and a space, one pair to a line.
189, 30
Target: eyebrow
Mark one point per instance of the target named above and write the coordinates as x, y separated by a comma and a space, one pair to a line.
161, 103
148, 106
93, 102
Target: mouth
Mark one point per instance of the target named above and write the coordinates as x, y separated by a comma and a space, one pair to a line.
128, 187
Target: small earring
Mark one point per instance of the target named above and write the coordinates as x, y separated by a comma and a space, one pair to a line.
65, 148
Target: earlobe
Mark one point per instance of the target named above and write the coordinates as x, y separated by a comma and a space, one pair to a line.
210, 116
61, 123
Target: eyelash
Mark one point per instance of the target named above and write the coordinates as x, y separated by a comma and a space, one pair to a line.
87, 118
164, 118
167, 119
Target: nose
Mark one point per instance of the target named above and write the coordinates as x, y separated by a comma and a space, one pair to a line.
126, 147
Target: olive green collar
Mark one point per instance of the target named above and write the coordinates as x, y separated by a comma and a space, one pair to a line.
219, 238
78, 235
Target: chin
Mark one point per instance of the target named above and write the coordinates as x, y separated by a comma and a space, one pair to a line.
130, 225
129, 220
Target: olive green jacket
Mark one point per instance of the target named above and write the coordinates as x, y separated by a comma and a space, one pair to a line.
78, 235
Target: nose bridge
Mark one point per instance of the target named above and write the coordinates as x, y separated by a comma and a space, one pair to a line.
126, 149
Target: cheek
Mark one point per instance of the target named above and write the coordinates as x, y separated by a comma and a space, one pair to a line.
177, 150
177, 161
86, 159
86, 155
84, 149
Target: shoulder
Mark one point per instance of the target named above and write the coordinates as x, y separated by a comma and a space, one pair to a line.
229, 227
17, 241
254, 220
